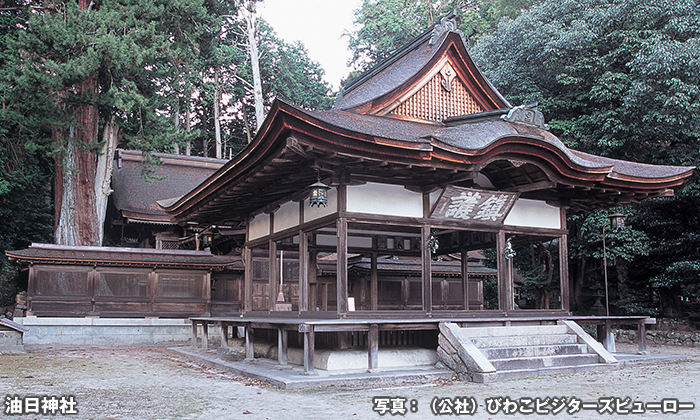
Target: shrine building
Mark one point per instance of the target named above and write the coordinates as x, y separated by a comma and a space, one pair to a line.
420, 159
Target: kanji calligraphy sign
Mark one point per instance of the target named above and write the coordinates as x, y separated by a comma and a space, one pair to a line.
466, 204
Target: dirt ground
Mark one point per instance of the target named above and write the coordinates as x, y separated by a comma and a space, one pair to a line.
151, 383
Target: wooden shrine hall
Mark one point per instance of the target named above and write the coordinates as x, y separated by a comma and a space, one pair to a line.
420, 158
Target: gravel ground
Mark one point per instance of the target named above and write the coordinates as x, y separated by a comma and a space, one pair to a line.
151, 383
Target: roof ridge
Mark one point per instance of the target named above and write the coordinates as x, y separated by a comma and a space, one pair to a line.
445, 25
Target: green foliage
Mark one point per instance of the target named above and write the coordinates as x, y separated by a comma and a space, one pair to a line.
616, 78
613, 77
387, 25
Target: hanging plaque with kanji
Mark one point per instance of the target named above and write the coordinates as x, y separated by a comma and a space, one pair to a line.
479, 206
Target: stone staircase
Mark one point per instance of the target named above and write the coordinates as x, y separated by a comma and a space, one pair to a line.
488, 354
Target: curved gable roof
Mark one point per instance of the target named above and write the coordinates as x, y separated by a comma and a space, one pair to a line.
393, 82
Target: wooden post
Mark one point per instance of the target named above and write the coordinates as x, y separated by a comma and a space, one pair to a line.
313, 281
373, 347
282, 340
374, 283
224, 334
248, 280
604, 336
205, 335
309, 347
564, 272
249, 348
273, 278
342, 266
465, 279
642, 337
427, 275
303, 271
505, 283
194, 333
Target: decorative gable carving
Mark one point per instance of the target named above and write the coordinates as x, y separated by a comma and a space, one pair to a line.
443, 96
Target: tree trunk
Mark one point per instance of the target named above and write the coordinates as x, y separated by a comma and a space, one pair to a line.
254, 62
76, 213
670, 299
217, 123
103, 176
188, 128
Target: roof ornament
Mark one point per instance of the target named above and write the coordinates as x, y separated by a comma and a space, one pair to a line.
527, 114
447, 24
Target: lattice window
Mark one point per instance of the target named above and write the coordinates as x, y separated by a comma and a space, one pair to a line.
433, 103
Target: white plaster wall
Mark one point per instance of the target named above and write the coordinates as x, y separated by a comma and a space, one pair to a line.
533, 213
313, 213
287, 216
392, 200
259, 227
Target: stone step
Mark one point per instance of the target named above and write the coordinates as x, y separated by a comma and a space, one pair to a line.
526, 330
524, 340
533, 351
530, 373
520, 363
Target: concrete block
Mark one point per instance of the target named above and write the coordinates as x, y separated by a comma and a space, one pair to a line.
105, 332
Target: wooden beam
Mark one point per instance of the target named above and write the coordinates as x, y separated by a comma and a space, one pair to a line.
427, 276
536, 186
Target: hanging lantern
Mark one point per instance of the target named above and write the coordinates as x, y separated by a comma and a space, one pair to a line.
319, 194
617, 221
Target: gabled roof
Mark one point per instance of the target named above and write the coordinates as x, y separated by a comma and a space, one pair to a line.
137, 198
399, 124
435, 66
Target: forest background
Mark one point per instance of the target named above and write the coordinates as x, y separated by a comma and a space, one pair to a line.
618, 78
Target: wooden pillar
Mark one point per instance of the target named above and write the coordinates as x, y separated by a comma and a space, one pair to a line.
273, 278
505, 282
194, 333
642, 337
282, 345
342, 266
249, 348
205, 335
224, 334
303, 271
248, 280
373, 347
309, 348
313, 281
207, 292
605, 336
374, 283
427, 275
564, 272
465, 279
